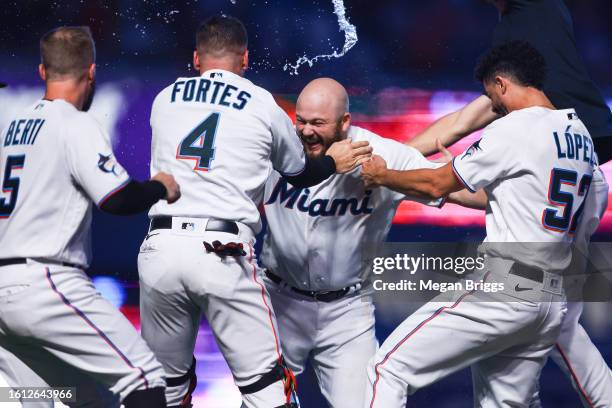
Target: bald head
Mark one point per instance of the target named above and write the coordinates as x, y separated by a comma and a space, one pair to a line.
322, 115
325, 95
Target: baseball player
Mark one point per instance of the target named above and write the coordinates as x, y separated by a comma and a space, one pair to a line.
56, 160
314, 243
535, 195
221, 136
568, 85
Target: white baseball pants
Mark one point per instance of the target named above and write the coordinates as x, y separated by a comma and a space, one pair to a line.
180, 282
504, 339
53, 320
336, 337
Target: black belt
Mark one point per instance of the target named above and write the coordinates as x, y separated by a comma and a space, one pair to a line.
527, 272
325, 296
18, 261
212, 225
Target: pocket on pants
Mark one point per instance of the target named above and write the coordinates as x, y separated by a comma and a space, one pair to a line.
215, 275
8, 292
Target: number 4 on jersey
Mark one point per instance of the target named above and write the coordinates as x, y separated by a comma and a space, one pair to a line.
199, 144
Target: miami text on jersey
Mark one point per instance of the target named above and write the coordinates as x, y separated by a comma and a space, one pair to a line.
318, 207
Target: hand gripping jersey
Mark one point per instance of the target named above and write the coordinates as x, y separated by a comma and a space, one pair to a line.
536, 166
316, 236
221, 136
54, 161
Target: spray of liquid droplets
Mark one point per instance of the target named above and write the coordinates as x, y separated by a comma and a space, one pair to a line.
350, 39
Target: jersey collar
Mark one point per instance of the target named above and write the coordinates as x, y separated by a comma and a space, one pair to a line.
219, 73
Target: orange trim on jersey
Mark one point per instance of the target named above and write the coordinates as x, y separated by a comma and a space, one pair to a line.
196, 159
263, 297
574, 376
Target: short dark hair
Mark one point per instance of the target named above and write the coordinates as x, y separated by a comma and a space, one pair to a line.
517, 59
67, 51
221, 34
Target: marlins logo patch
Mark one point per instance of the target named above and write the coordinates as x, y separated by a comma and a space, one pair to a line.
472, 150
107, 164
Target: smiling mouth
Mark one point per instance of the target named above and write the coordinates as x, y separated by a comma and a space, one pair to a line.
313, 144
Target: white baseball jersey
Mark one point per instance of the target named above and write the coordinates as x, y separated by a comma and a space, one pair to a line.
316, 236
221, 136
536, 165
54, 161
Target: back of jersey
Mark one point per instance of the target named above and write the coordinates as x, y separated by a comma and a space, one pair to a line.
536, 165
54, 160
220, 136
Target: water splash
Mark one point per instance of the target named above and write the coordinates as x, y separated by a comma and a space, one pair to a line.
350, 39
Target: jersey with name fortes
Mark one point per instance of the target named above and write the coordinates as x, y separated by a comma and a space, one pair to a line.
55, 160
220, 136
317, 236
536, 166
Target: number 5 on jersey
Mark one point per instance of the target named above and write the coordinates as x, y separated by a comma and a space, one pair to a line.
563, 201
10, 185
199, 144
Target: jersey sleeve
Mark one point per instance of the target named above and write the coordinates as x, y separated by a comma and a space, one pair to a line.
91, 161
402, 157
287, 150
487, 160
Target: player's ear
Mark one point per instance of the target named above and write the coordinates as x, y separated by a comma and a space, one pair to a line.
42, 72
196, 60
501, 84
345, 122
91, 72
245, 60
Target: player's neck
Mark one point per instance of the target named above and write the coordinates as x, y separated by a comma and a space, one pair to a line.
225, 64
69, 90
530, 98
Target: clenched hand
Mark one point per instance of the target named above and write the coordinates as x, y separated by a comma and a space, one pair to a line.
173, 190
347, 154
372, 170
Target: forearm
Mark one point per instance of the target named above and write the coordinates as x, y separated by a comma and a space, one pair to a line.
444, 129
134, 198
454, 126
315, 171
465, 198
428, 183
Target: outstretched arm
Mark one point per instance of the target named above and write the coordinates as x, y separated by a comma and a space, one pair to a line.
427, 183
454, 126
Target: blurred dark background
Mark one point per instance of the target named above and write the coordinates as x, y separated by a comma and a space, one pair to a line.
430, 46
407, 43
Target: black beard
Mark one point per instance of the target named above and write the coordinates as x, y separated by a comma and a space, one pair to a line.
90, 97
